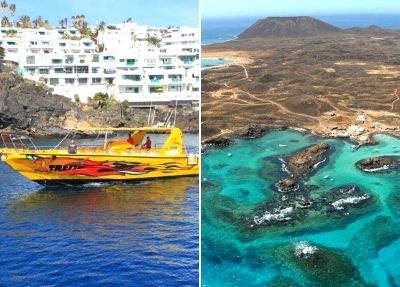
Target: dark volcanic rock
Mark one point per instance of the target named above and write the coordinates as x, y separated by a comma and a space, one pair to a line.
26, 107
219, 141
253, 131
276, 27
373, 164
306, 160
287, 185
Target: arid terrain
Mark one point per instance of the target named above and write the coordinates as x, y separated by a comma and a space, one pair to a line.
342, 84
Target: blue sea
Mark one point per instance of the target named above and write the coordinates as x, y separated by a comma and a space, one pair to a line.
254, 235
215, 30
126, 234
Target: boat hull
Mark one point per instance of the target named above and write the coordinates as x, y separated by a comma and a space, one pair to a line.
58, 167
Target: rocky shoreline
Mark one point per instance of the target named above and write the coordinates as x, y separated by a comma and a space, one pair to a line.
29, 108
379, 164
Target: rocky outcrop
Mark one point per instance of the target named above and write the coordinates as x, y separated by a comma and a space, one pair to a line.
29, 108
308, 159
277, 27
253, 131
300, 165
374, 164
219, 141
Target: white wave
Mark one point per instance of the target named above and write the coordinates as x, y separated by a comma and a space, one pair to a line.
304, 249
338, 204
318, 163
278, 214
284, 167
386, 166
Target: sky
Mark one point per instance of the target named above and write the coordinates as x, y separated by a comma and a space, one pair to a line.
231, 8
156, 13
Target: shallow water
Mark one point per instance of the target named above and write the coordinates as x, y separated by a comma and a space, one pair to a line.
359, 243
99, 234
211, 62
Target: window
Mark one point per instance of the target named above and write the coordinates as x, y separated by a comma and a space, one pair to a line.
154, 90
82, 81
30, 60
130, 62
82, 69
109, 58
133, 90
69, 59
95, 58
96, 81
69, 81
166, 61
156, 78
175, 89
132, 77
175, 78
54, 81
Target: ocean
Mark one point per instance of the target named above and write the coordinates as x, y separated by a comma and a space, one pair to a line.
253, 235
99, 234
215, 30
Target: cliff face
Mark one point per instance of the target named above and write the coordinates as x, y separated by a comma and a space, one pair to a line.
26, 107
276, 27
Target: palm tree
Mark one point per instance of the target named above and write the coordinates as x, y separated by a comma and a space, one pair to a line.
24, 21
73, 18
4, 21
12, 8
62, 23
4, 6
2, 55
154, 41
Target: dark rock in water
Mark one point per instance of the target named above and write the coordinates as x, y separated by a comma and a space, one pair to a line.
341, 200
375, 164
301, 164
307, 160
319, 265
253, 131
219, 142
288, 184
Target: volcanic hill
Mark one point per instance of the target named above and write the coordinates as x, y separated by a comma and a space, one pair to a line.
278, 27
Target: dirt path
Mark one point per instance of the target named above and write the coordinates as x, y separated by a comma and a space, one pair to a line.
397, 99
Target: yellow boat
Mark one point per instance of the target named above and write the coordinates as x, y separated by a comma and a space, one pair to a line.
113, 160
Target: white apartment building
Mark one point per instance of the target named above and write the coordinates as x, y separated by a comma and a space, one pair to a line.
120, 62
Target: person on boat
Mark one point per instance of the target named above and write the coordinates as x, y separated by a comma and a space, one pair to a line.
147, 144
72, 147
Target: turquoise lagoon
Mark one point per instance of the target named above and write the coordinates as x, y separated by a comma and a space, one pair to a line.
357, 245
212, 62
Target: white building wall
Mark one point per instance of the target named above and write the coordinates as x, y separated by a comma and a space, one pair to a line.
128, 68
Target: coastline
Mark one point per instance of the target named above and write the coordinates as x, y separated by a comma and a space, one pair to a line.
226, 137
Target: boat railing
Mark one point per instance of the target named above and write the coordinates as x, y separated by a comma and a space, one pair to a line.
16, 141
